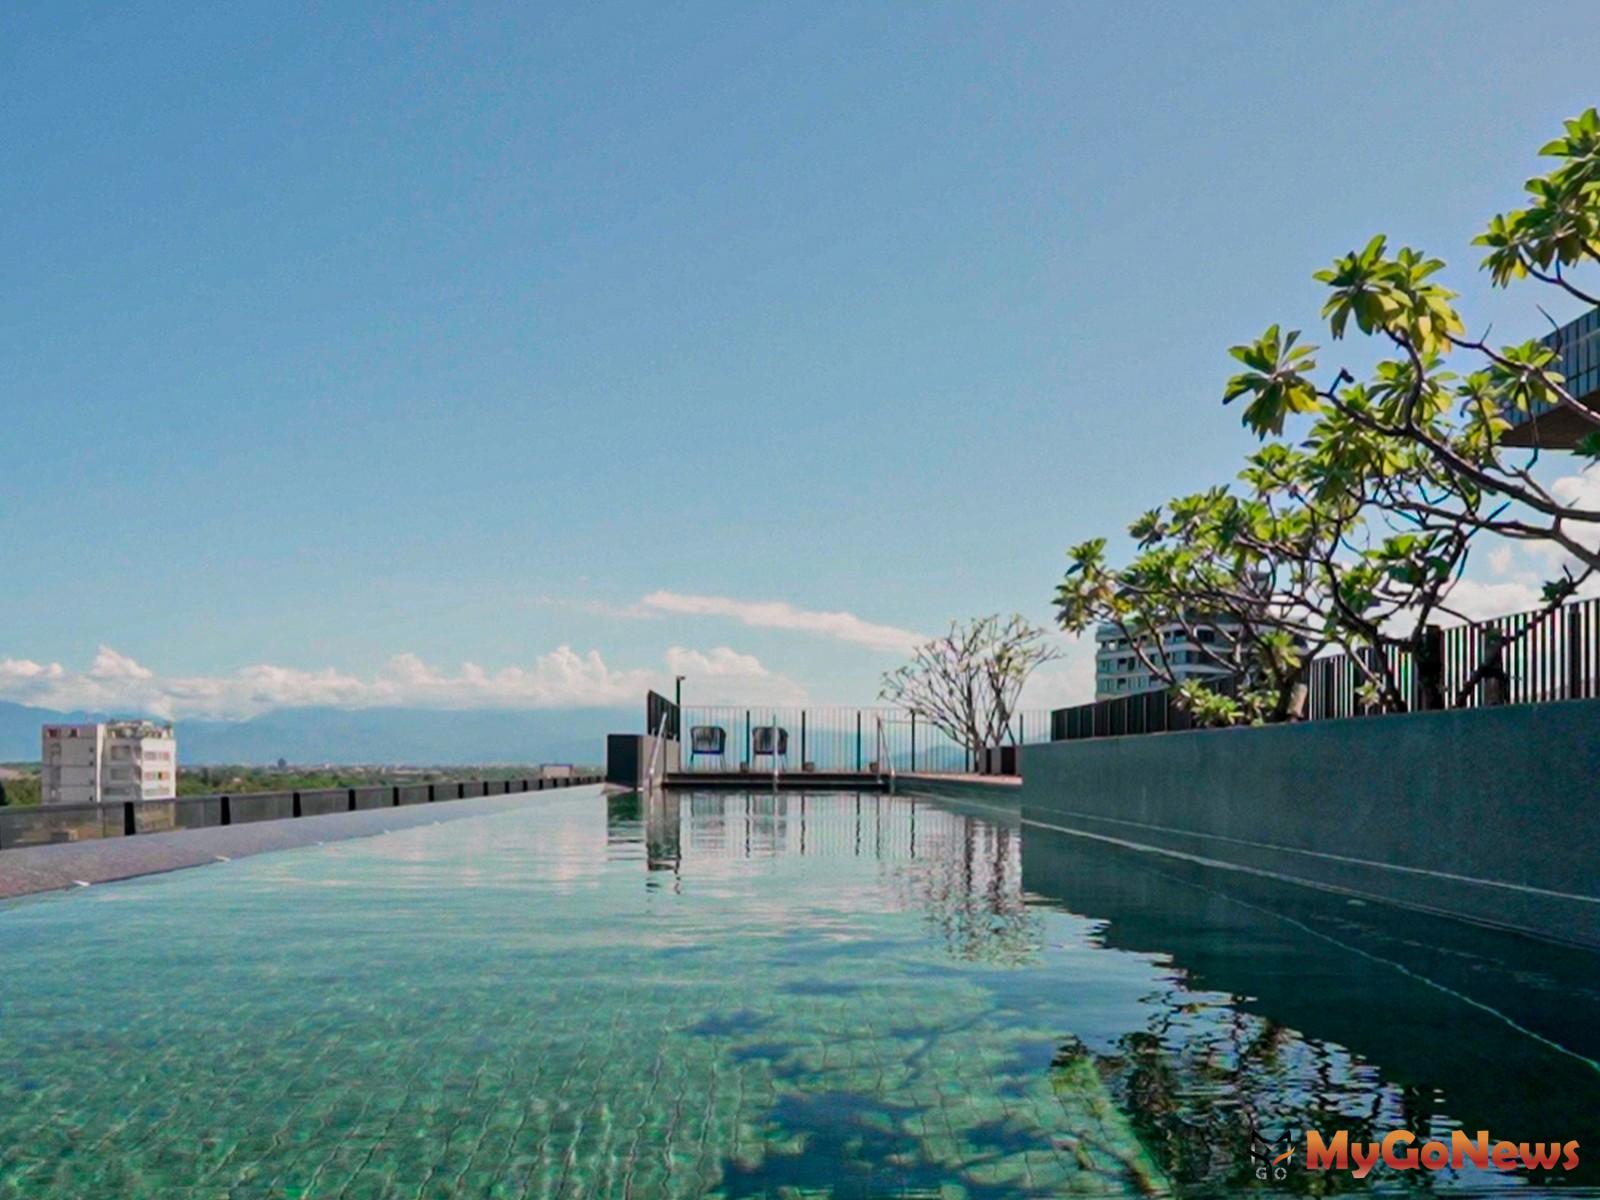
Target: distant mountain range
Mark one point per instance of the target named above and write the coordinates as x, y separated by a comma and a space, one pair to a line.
442, 737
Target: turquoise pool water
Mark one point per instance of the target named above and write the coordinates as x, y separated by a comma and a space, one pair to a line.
733, 995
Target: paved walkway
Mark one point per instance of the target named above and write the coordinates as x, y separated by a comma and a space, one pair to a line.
30, 869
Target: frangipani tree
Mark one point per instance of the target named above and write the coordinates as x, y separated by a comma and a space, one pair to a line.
1377, 572
1355, 531
1305, 553
1448, 394
1200, 573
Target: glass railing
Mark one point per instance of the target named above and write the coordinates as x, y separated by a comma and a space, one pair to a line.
728, 738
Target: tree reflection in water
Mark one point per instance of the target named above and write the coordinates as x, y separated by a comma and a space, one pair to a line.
968, 884
962, 871
1212, 1106
1185, 1013
1284, 1009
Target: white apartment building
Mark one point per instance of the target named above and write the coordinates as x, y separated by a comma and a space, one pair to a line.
107, 763
1118, 670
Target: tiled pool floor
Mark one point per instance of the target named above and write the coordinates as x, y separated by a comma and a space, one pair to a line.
708, 995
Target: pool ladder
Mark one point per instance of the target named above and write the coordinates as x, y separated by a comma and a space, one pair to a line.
655, 751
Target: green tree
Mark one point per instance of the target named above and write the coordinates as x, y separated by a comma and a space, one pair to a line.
1351, 526
1448, 394
1199, 573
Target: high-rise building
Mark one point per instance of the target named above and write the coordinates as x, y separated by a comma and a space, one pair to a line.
107, 763
1559, 428
1119, 670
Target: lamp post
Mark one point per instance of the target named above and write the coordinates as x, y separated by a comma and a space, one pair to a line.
677, 701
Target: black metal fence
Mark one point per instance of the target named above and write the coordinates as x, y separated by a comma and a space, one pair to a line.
1543, 656
1156, 711
658, 708
830, 739
44, 824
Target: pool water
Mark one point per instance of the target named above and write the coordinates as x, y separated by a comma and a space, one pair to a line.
754, 995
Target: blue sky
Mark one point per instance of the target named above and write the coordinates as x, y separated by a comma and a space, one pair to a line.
345, 348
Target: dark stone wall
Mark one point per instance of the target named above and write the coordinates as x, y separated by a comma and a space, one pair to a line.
624, 759
628, 757
56, 823
1488, 814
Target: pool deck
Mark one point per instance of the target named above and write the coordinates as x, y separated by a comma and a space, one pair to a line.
785, 780
30, 869
983, 781
992, 792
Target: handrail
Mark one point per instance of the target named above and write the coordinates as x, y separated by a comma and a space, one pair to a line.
881, 756
661, 739
775, 747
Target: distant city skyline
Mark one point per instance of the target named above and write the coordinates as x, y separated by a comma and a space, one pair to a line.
518, 359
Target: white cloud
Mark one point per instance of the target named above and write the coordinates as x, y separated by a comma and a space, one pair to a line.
724, 676
1581, 490
1479, 599
720, 663
1518, 570
599, 608
1067, 680
561, 678
775, 614
1507, 575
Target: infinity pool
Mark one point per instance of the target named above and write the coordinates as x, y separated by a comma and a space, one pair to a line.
754, 995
